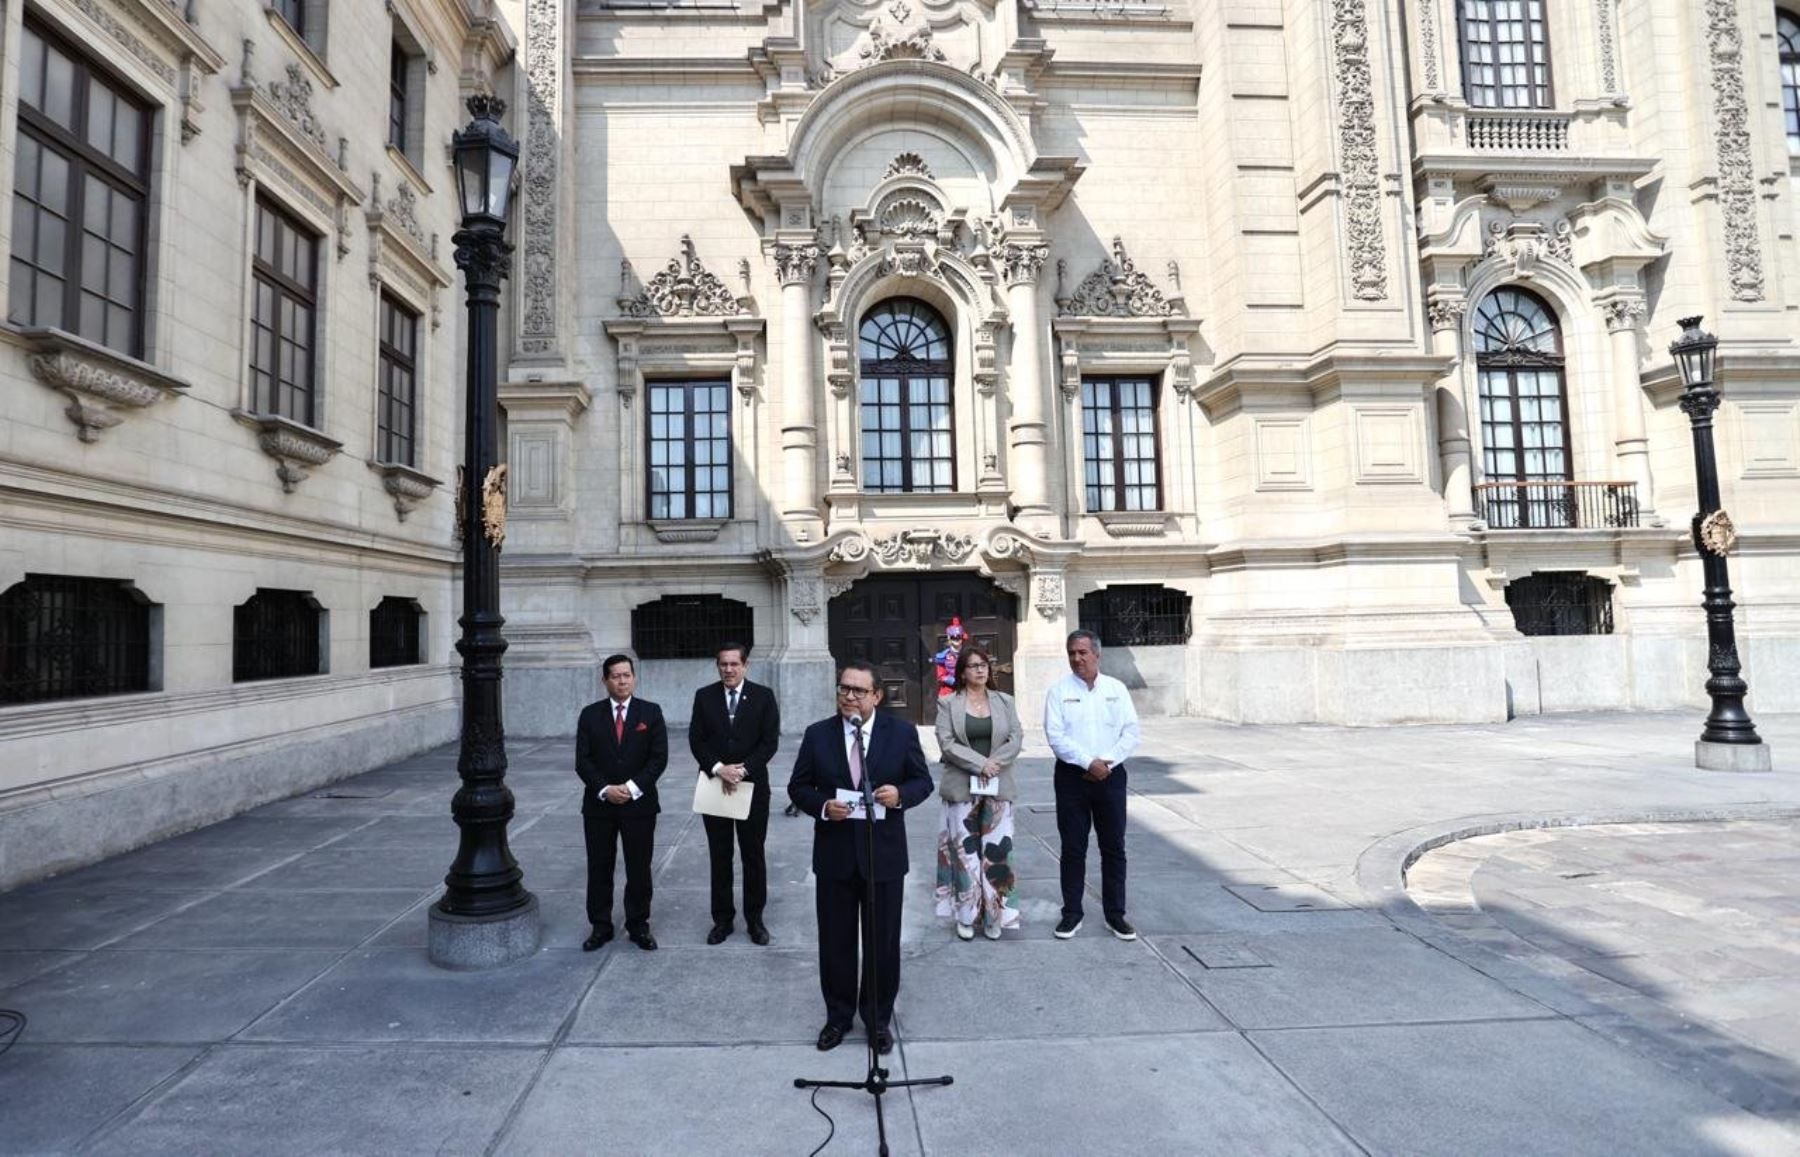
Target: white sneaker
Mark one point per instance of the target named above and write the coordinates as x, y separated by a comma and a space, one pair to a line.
991, 931
965, 932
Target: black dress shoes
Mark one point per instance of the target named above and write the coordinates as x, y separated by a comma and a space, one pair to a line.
642, 939
602, 933
884, 1041
759, 933
830, 1037
721, 932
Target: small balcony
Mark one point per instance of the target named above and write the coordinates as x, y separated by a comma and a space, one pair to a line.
1557, 505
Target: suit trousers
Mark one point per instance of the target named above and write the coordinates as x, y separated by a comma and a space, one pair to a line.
1082, 804
844, 919
748, 834
604, 832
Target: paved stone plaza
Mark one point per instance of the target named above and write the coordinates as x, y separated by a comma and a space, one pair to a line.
261, 985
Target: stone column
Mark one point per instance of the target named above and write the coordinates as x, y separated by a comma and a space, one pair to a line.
1028, 464
795, 266
1631, 443
1452, 415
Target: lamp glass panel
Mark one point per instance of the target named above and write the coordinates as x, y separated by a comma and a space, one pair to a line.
471, 180
499, 188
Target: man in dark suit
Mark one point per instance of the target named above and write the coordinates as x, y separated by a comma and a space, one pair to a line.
837, 754
621, 748
733, 733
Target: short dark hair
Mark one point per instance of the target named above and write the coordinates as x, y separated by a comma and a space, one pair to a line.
612, 661
962, 661
743, 650
860, 665
1083, 633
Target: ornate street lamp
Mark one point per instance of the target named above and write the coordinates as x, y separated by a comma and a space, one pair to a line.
485, 916
1729, 742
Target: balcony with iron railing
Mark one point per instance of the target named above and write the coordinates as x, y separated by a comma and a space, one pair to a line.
1557, 505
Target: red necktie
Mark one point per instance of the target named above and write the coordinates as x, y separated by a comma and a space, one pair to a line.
618, 723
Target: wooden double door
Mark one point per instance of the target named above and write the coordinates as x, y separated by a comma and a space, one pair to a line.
897, 622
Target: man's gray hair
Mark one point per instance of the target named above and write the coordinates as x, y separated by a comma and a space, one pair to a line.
1083, 633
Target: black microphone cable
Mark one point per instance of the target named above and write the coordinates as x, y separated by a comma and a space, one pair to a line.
828, 1121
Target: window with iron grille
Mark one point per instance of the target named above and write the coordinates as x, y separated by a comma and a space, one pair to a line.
690, 449
66, 637
1138, 615
275, 635
1524, 411
1506, 53
689, 626
1561, 603
395, 626
1118, 439
908, 421
80, 187
1787, 39
398, 382
282, 323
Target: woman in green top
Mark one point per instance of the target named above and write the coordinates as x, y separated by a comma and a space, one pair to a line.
980, 735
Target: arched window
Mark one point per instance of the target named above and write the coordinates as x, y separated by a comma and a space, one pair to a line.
1561, 603
1524, 411
1787, 40
908, 428
394, 633
1505, 53
277, 635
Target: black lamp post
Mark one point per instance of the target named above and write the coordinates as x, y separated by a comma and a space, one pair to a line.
485, 916
1729, 732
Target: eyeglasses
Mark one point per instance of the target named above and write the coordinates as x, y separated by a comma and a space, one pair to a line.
850, 692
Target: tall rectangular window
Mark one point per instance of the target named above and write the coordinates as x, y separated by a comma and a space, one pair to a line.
1118, 444
1506, 53
292, 11
398, 63
283, 320
80, 187
398, 383
690, 450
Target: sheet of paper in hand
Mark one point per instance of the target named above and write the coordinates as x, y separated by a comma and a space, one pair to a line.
979, 786
711, 798
854, 799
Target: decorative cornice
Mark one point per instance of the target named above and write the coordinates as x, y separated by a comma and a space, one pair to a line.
686, 530
683, 288
1134, 523
1358, 157
913, 549
98, 382
283, 144
295, 448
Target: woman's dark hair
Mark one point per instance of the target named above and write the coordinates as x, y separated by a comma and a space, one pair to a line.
962, 661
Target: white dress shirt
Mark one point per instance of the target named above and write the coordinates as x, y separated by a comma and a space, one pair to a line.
613, 707
868, 732
1086, 723
730, 716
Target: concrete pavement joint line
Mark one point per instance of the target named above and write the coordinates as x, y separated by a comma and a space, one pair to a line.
1549, 1016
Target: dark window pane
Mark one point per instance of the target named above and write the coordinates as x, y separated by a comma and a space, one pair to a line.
275, 635
689, 626
1561, 603
1138, 615
64, 637
394, 633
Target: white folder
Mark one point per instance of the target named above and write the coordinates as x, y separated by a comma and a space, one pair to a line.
710, 798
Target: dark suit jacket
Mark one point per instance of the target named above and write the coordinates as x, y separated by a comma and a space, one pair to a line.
600, 760
714, 738
892, 755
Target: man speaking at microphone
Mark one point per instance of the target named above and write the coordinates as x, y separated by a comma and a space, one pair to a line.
836, 756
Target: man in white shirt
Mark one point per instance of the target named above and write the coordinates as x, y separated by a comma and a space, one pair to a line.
1093, 729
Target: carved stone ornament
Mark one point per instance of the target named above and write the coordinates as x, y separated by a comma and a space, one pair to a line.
538, 169
1718, 535
885, 45
407, 487
1047, 595
1623, 313
909, 549
293, 99
1448, 312
908, 165
1021, 262
1117, 289
805, 598
1134, 523
403, 207
796, 264
1737, 165
684, 288
493, 505
1528, 244
910, 216
1359, 161
297, 449
98, 383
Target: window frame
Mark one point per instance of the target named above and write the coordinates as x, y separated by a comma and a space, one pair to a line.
400, 65
906, 371
1544, 96
261, 272
292, 13
318, 648
1787, 59
688, 442
1509, 363
402, 612
85, 160
389, 360
1118, 485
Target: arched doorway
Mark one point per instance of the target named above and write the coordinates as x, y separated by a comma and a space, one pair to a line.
896, 622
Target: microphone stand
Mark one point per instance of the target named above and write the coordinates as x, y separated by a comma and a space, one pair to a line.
876, 1084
